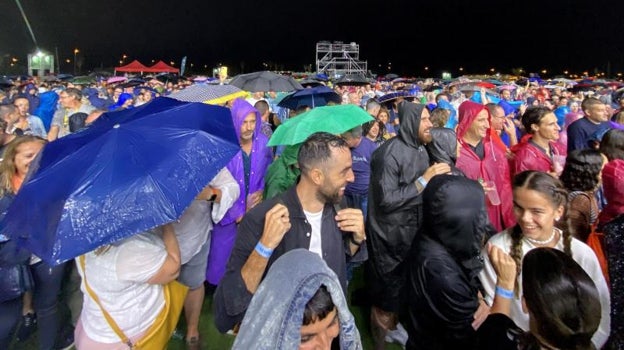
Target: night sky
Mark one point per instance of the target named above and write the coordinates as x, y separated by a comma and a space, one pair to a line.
478, 35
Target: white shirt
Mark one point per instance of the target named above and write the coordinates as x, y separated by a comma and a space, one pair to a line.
581, 253
194, 227
119, 279
316, 245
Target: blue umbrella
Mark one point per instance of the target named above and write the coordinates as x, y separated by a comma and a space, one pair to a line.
312, 97
128, 172
394, 95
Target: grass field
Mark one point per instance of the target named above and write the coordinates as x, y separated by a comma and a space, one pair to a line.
213, 340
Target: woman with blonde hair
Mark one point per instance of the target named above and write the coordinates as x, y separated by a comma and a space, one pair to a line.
40, 306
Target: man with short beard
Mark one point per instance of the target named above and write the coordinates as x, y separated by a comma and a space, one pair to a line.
400, 172
248, 168
483, 160
308, 215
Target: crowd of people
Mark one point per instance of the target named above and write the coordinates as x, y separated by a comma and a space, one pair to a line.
482, 216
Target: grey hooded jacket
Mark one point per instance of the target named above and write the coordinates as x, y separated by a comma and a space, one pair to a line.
275, 314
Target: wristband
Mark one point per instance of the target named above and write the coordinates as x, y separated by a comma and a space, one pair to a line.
504, 293
263, 251
421, 180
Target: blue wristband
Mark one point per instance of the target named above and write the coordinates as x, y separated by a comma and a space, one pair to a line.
507, 294
421, 180
263, 251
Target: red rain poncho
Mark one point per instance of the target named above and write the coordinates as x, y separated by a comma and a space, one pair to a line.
493, 167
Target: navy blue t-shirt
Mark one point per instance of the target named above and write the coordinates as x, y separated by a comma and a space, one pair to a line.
361, 156
581, 131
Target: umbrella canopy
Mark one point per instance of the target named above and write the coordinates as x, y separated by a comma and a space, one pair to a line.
265, 81
310, 83
65, 76
507, 87
391, 96
126, 173
4, 82
83, 80
311, 97
132, 83
116, 79
209, 93
50, 78
353, 80
334, 119
582, 87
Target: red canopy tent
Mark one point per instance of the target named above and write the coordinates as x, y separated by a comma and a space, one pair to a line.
162, 67
132, 67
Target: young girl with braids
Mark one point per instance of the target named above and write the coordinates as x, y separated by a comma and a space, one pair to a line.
540, 202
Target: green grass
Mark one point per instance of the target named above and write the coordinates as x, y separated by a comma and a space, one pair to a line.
211, 339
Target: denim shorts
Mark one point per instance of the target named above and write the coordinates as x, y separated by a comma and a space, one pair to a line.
193, 273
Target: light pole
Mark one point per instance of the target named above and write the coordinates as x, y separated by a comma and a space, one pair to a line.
75, 53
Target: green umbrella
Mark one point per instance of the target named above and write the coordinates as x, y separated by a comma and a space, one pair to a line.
333, 119
83, 80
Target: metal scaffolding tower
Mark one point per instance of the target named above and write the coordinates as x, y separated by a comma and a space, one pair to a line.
337, 59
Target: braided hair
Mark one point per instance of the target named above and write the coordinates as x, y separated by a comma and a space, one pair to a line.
552, 189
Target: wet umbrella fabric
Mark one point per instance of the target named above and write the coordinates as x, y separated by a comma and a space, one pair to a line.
128, 172
310, 83
116, 79
265, 81
83, 80
209, 93
333, 119
353, 80
312, 97
391, 96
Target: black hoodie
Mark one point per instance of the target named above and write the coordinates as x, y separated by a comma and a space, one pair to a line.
444, 263
394, 204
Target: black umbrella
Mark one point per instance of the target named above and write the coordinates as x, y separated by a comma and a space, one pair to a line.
132, 83
582, 87
168, 77
5, 83
265, 81
65, 76
310, 83
353, 80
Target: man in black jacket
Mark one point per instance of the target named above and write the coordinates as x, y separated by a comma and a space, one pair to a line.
307, 215
400, 172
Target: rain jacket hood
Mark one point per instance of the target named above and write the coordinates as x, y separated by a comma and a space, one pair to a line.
240, 109
443, 148
275, 315
612, 178
468, 111
455, 217
409, 122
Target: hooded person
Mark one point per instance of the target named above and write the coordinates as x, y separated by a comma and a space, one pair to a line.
47, 105
400, 171
444, 263
276, 323
248, 168
480, 159
612, 225
283, 172
443, 148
